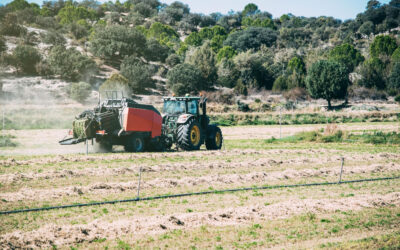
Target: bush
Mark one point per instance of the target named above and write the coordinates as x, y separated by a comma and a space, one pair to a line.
70, 64
138, 74
173, 60
251, 38
10, 26
25, 58
80, 91
43, 69
394, 79
3, 45
155, 51
280, 84
53, 37
6, 141
116, 82
185, 78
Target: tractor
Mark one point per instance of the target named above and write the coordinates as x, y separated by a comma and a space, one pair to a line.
185, 123
138, 127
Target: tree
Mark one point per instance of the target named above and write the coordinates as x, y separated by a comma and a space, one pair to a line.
137, 73
11, 27
328, 80
394, 78
18, 5
165, 34
53, 37
372, 72
383, 46
80, 91
71, 13
70, 64
226, 52
228, 74
250, 9
204, 59
396, 55
25, 58
251, 38
173, 60
115, 42
347, 55
367, 28
281, 83
185, 78
155, 51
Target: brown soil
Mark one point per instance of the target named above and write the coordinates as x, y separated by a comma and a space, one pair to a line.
25, 194
49, 235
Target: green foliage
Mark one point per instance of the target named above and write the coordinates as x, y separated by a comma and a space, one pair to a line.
372, 73
173, 60
397, 99
155, 51
347, 55
383, 46
226, 52
258, 22
79, 29
6, 141
71, 13
54, 38
116, 41
253, 72
228, 74
70, 64
280, 84
116, 82
137, 73
18, 5
367, 28
165, 34
203, 58
11, 27
24, 58
328, 80
396, 55
250, 9
80, 91
241, 88
251, 38
185, 78
216, 34
3, 45
296, 64
394, 78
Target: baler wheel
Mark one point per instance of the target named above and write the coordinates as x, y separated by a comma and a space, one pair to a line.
214, 138
134, 144
190, 136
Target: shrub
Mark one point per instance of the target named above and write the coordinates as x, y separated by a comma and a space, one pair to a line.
251, 38
138, 74
53, 37
280, 84
173, 60
3, 45
116, 82
155, 51
185, 78
397, 99
25, 58
80, 91
70, 64
10, 26
43, 69
6, 141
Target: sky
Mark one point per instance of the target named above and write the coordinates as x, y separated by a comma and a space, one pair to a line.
342, 9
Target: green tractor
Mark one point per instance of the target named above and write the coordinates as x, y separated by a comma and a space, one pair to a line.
186, 124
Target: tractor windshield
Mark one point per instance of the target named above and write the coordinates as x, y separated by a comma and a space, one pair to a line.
174, 107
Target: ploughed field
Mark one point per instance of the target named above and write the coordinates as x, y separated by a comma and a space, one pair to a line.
40, 173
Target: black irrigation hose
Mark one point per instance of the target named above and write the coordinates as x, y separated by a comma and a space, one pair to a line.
193, 194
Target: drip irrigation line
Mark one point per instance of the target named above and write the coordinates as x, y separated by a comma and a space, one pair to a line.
193, 194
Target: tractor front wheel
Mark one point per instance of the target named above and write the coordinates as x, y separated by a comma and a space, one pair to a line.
214, 138
134, 144
190, 136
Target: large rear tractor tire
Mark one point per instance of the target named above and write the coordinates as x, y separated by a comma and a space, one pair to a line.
190, 136
214, 138
134, 144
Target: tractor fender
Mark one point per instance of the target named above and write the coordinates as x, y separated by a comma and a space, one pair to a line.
182, 119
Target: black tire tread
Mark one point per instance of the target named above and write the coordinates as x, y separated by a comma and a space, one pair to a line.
183, 136
210, 141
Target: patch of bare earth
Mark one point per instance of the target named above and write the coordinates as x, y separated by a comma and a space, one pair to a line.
62, 235
25, 194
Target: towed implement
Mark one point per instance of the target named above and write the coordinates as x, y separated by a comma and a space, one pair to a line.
140, 128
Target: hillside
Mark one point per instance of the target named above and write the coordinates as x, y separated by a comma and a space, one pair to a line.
146, 47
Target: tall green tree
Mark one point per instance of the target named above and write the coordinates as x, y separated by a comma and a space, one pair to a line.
184, 79
25, 58
394, 79
328, 80
137, 73
348, 55
383, 46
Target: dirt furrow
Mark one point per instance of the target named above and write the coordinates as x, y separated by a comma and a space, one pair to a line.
267, 162
234, 179
62, 235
